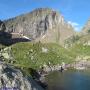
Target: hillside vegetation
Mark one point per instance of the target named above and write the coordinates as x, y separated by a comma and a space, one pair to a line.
81, 49
34, 55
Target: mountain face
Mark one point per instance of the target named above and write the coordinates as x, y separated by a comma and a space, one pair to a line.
45, 25
86, 28
85, 34
2, 26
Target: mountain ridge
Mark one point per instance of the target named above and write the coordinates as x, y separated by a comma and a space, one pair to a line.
43, 24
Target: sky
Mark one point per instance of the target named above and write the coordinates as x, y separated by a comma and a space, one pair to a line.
76, 12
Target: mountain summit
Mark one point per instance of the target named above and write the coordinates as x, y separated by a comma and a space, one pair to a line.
43, 24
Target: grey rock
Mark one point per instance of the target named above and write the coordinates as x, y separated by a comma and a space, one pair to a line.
13, 78
43, 24
2, 26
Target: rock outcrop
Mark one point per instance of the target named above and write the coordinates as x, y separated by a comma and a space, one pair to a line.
86, 28
2, 26
85, 34
45, 25
11, 78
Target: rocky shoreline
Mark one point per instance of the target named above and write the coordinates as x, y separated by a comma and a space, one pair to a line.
78, 65
40, 81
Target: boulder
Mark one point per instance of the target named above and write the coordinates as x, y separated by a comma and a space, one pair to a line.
11, 78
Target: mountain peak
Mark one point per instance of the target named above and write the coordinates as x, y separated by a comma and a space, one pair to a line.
42, 24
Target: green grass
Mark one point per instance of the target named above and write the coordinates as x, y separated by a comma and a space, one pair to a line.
80, 49
30, 55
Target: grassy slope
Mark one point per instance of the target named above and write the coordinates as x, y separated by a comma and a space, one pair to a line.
79, 45
31, 55
80, 49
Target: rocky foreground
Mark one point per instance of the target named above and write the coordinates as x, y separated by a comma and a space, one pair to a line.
13, 79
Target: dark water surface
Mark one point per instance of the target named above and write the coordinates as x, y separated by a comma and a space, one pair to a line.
69, 80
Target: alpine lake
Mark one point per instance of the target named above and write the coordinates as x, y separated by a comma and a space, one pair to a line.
69, 80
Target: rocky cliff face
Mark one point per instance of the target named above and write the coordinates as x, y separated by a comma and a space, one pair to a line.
86, 28
85, 34
45, 25
11, 78
2, 26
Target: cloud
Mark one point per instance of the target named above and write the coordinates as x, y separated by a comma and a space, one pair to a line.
75, 25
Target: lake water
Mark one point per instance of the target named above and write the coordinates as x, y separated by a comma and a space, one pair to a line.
69, 80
